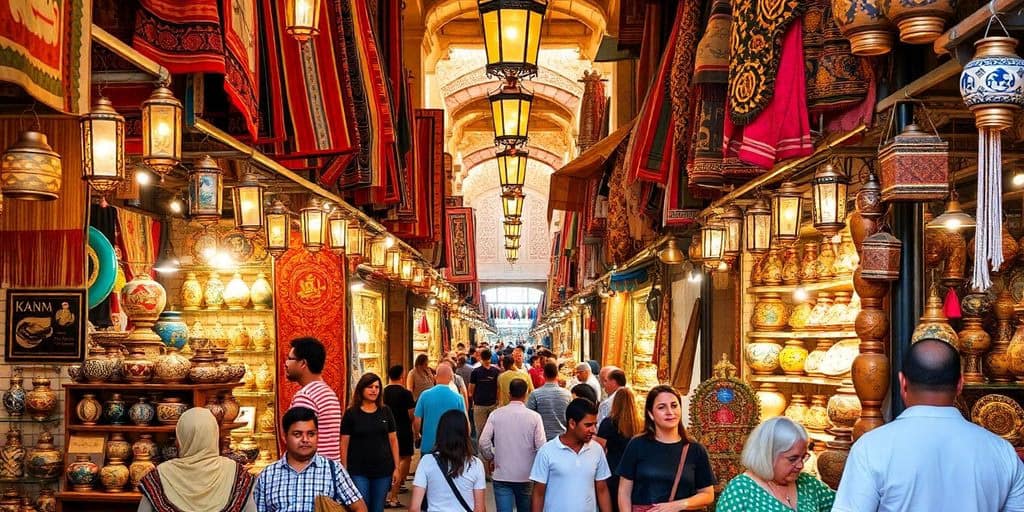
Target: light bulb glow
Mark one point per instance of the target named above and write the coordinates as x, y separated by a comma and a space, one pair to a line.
176, 206
800, 294
1018, 179
142, 178
389, 242
952, 224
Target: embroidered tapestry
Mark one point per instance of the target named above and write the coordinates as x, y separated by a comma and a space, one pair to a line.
461, 246
756, 47
836, 79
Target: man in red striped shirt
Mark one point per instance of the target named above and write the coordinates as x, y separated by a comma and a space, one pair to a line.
304, 365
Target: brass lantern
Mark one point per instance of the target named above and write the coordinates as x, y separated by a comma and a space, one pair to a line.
513, 228
337, 226
408, 267
828, 203
302, 19
103, 147
510, 111
205, 190
732, 219
419, 276
161, 131
354, 239
512, 205
787, 210
30, 169
712, 241
247, 203
512, 168
394, 261
278, 229
512, 36
313, 220
671, 255
512, 254
758, 222
378, 253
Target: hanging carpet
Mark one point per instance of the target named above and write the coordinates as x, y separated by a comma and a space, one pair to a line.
461, 246
756, 44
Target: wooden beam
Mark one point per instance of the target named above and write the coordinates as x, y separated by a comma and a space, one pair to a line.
921, 85
112, 43
972, 24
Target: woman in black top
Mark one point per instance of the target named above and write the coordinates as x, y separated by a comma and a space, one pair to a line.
648, 468
400, 401
369, 444
614, 434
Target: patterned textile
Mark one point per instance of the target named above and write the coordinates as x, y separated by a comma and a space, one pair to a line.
241, 59
652, 47
756, 45
461, 245
593, 111
613, 331
681, 72
153, 489
424, 168
44, 48
310, 293
281, 488
620, 245
711, 65
782, 129
631, 23
705, 167
836, 79
660, 358
137, 241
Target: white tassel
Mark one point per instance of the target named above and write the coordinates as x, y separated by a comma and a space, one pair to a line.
988, 237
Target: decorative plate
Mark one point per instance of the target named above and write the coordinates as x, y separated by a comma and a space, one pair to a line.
102, 267
201, 243
839, 358
1000, 414
238, 246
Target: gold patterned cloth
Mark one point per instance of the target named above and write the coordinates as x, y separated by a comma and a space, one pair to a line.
756, 48
836, 79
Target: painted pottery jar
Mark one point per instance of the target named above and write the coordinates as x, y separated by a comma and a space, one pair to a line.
261, 337
196, 331
264, 379
191, 293
809, 263
797, 408
41, 401
919, 21
138, 367
118, 447
97, 366
12, 457
169, 410
757, 270
147, 446
14, 396
82, 474
1016, 350
822, 305
832, 462
75, 372
235, 371
88, 409
826, 261
114, 476
934, 324
261, 463
143, 299
801, 314
218, 336
140, 467
816, 417
812, 365
770, 313
791, 266
762, 356
844, 406
116, 354
267, 423
773, 402
44, 459
248, 379
771, 272
862, 22
231, 407
214, 292
172, 329
169, 450
171, 367
215, 407
142, 412
240, 340
837, 311
203, 370
261, 294
991, 84
847, 259
115, 411
250, 448
792, 357
997, 360
220, 362
236, 293
47, 500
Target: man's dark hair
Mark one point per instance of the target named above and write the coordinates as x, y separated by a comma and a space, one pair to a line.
550, 371
395, 372
932, 365
578, 409
485, 354
507, 362
517, 389
297, 414
519, 348
618, 376
461, 346
584, 391
312, 352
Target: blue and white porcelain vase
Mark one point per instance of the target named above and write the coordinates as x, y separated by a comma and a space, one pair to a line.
992, 83
14, 398
172, 329
142, 412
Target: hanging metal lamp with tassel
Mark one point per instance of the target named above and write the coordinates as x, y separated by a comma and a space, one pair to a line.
30, 169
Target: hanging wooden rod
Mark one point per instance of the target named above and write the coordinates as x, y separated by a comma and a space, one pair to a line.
972, 24
112, 43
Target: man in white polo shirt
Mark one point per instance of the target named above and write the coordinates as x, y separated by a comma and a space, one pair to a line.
573, 466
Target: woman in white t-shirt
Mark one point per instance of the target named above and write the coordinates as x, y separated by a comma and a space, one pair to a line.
453, 457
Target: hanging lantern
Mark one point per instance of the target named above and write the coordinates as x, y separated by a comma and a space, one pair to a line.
408, 269
671, 255
828, 203
512, 205
378, 253
512, 255
732, 219
953, 218
247, 203
419, 276
513, 228
512, 169
394, 261
161, 131
512, 31
510, 111
337, 226
30, 169
103, 148
205, 191
302, 19
712, 241
914, 166
354, 239
511, 243
862, 22
278, 229
880, 257
920, 22
787, 210
313, 220
758, 222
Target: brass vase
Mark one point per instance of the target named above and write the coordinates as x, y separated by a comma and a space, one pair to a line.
791, 266
973, 340
862, 22
934, 324
997, 361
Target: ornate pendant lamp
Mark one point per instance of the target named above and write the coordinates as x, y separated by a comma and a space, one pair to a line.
510, 111
732, 219
354, 239
161, 131
205, 191
30, 169
378, 253
828, 200
954, 218
313, 220
758, 227
671, 255
247, 203
278, 229
712, 241
512, 169
408, 269
418, 276
103, 148
787, 210
302, 19
512, 31
513, 228
512, 205
394, 261
337, 226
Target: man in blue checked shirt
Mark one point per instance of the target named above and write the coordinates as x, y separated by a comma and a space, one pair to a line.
293, 483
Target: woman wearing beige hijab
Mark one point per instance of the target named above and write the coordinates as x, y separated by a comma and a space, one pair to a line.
199, 480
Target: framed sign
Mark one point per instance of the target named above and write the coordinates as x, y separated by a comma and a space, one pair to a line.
45, 325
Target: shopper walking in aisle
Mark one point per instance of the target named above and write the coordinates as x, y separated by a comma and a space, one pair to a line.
465, 367
511, 439
930, 457
774, 456
433, 403
572, 466
509, 374
583, 391
457, 384
402, 406
450, 478
584, 376
301, 476
519, 356
612, 379
614, 434
537, 368
663, 469
483, 388
304, 364
550, 401
199, 480
369, 442
421, 378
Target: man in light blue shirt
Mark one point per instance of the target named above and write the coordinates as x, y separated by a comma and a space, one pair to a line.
432, 404
550, 401
930, 458
573, 466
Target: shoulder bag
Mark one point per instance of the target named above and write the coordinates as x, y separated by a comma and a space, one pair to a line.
675, 484
455, 490
325, 504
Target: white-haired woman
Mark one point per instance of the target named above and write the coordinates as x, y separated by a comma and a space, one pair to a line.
774, 481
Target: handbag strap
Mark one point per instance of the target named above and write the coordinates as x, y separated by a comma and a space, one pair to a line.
455, 490
334, 480
679, 472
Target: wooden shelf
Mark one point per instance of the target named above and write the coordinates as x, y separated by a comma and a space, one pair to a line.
259, 436
802, 334
134, 429
241, 268
840, 283
100, 496
29, 419
30, 480
250, 352
252, 394
820, 436
796, 379
1005, 386
223, 311
152, 386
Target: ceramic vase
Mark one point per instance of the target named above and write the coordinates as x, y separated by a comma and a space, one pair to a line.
264, 379
773, 403
822, 305
191, 293
240, 339
171, 367
771, 272
250, 448
172, 329
215, 407
14, 396
115, 411
236, 293
826, 260
934, 324
770, 313
919, 21
231, 407
261, 294
812, 365
997, 360
974, 341
762, 356
137, 367
863, 23
44, 459
82, 474
261, 463
816, 417
140, 467
757, 270
213, 293
797, 408
145, 445
98, 367
12, 457
990, 83
801, 315
791, 266
75, 372
203, 370
218, 336
142, 412
47, 500
847, 259
41, 401
267, 422
792, 357
88, 409
809, 263
261, 337
116, 354
143, 299
844, 407
169, 410
114, 476
117, 447
169, 450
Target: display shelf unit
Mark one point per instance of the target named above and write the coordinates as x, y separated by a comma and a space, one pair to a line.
994, 386
841, 283
27, 419
30, 480
797, 379
136, 429
225, 311
803, 335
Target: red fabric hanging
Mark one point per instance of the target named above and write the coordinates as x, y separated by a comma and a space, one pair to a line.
951, 307
424, 325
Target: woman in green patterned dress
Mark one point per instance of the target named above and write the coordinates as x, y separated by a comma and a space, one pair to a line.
774, 481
